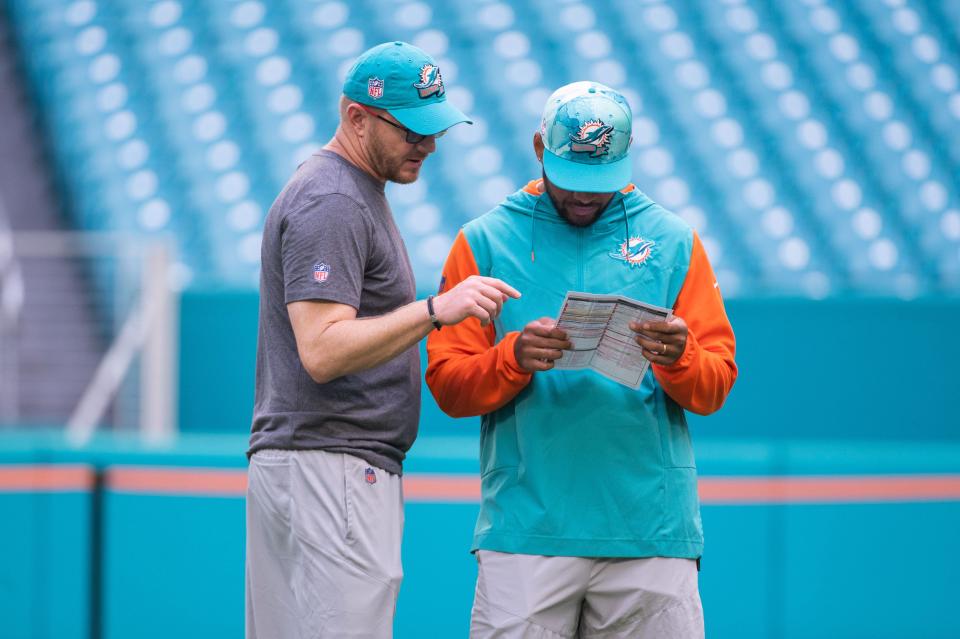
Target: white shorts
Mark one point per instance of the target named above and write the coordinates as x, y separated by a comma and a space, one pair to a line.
536, 597
323, 546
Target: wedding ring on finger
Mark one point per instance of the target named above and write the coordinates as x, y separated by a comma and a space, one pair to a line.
664, 349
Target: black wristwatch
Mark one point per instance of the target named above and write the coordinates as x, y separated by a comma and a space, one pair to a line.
433, 316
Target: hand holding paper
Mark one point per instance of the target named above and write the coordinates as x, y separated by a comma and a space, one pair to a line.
540, 344
663, 342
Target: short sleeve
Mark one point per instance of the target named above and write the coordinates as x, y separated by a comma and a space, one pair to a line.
324, 248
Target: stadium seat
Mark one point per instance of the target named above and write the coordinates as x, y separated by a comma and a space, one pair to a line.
814, 145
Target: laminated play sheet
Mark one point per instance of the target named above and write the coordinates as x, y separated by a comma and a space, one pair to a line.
599, 328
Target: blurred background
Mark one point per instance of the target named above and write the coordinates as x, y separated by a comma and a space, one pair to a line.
813, 144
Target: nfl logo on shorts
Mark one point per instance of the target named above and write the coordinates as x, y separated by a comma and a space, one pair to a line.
370, 476
375, 88
320, 272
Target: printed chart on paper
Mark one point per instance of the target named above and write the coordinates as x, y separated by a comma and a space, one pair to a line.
599, 328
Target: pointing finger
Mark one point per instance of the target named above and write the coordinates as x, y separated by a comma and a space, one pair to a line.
501, 286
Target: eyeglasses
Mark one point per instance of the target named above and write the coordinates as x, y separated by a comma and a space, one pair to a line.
410, 137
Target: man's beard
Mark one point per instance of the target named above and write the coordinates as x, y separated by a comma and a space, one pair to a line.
385, 166
562, 210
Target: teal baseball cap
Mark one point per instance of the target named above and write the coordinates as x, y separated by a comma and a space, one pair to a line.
587, 130
406, 82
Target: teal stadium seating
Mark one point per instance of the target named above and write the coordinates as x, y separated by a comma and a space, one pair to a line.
814, 144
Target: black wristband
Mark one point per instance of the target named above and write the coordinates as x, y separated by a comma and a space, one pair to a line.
433, 316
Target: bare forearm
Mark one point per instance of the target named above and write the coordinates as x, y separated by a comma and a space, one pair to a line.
332, 342
353, 345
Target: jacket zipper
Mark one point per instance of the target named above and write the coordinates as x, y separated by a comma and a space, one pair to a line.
580, 259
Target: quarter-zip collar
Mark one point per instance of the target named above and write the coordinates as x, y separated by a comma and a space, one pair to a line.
534, 201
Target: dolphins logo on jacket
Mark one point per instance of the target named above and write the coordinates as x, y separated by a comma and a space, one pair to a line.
593, 138
635, 251
431, 83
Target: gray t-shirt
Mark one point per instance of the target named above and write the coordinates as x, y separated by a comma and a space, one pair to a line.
330, 235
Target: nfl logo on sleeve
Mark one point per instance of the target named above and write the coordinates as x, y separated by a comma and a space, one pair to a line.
320, 272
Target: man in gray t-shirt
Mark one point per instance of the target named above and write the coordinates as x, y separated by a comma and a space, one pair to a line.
330, 236
338, 374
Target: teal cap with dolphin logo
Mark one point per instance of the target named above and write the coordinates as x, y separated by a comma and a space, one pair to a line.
406, 82
587, 130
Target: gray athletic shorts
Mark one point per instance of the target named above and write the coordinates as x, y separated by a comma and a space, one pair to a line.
323, 546
536, 597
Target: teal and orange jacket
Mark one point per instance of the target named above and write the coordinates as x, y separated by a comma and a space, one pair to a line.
572, 463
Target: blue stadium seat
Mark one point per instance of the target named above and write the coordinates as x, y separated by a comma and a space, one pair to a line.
814, 145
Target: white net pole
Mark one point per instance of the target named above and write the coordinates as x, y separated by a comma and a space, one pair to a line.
11, 304
158, 375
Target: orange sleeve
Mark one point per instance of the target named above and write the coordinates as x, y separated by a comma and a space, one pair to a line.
467, 371
702, 378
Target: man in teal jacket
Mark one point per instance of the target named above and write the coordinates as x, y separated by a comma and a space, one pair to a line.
589, 522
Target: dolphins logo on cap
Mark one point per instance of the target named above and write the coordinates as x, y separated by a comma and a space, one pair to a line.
431, 83
593, 138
